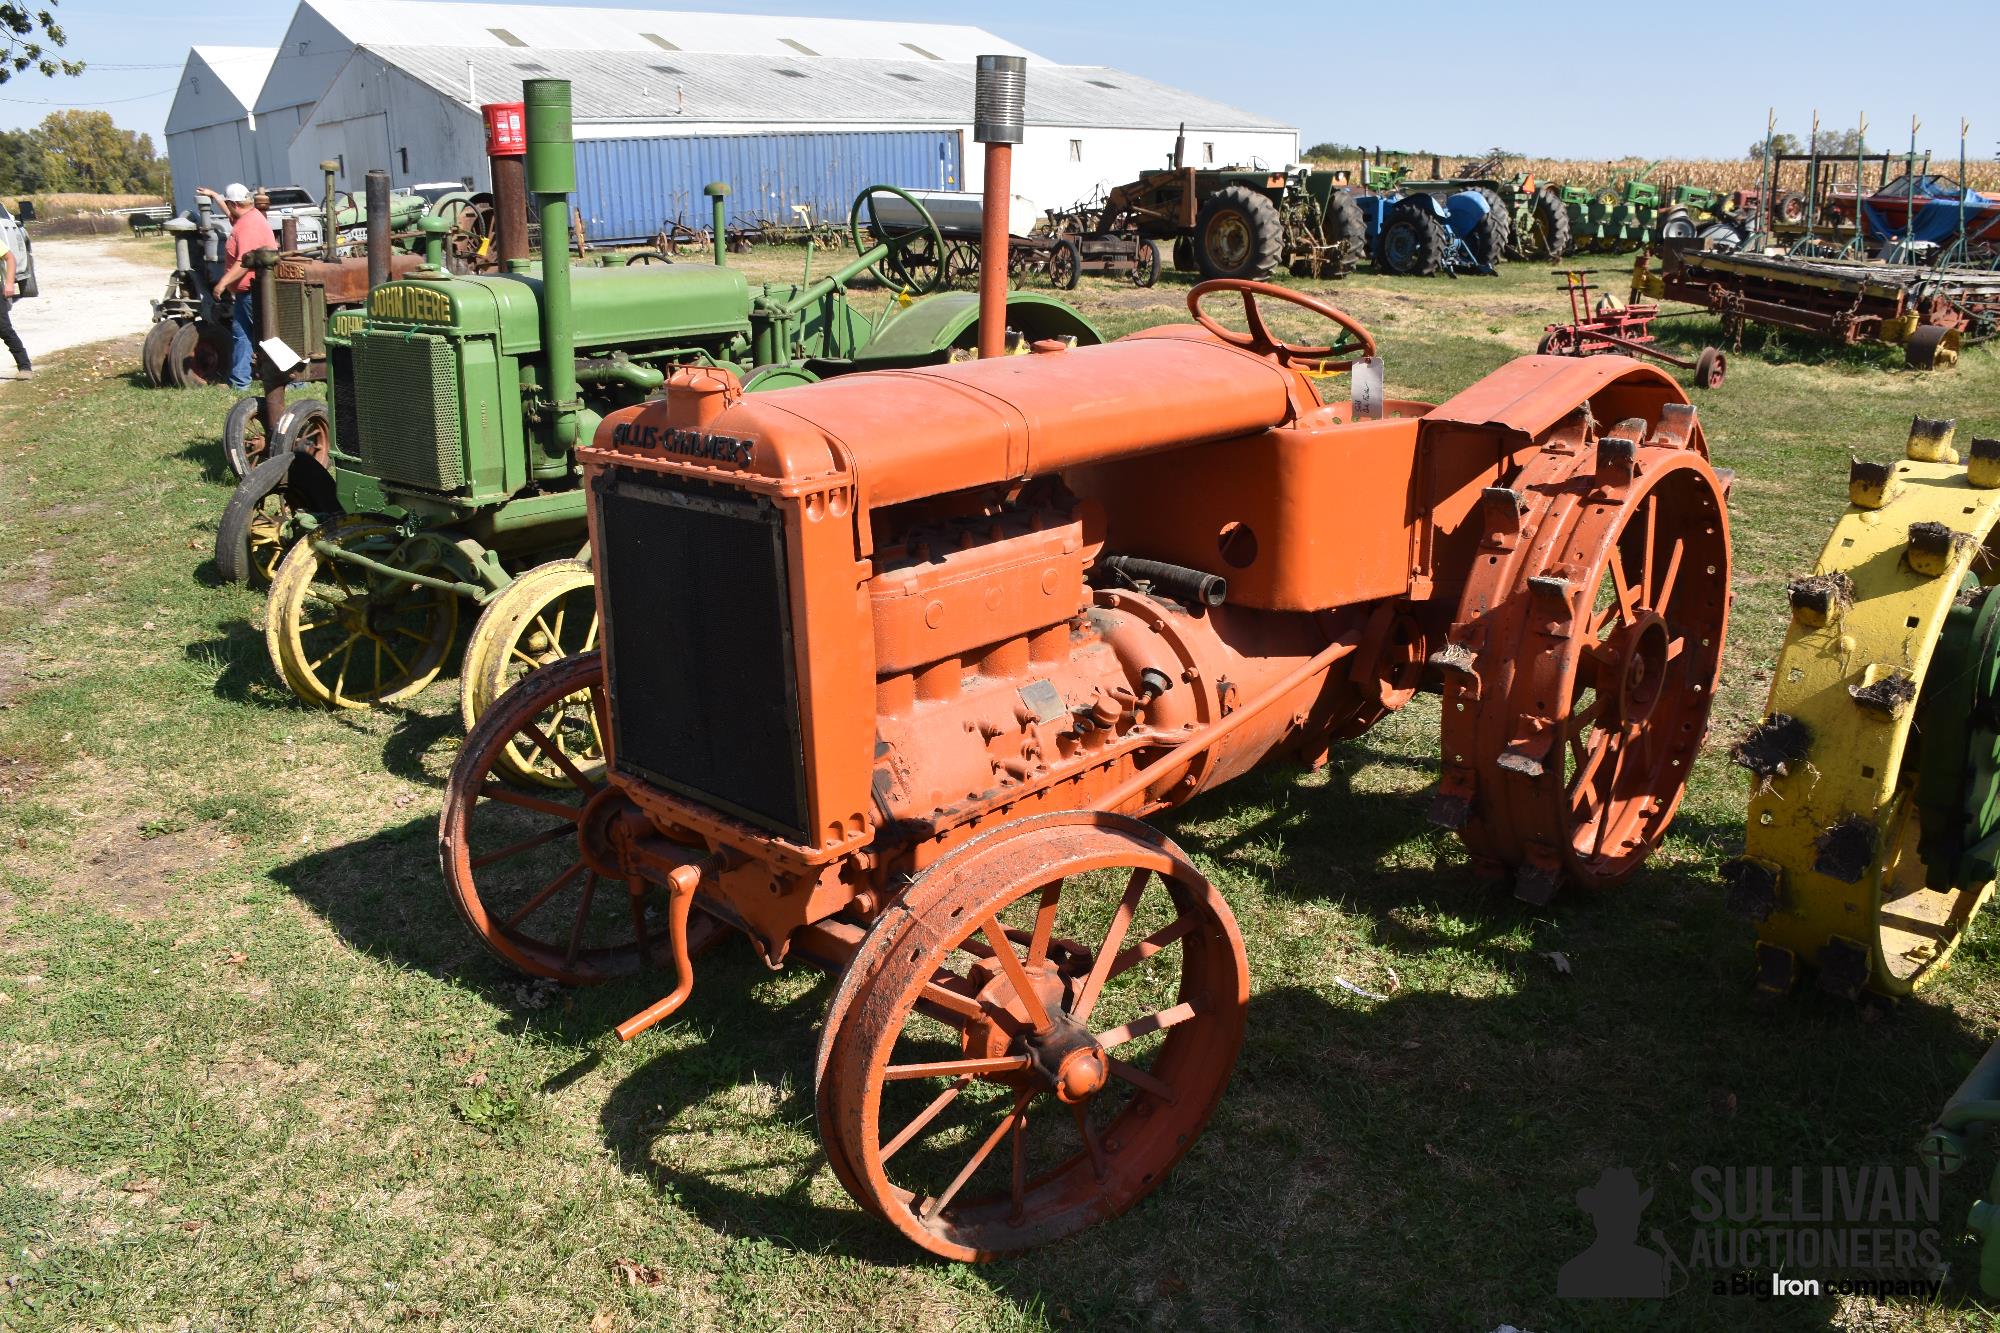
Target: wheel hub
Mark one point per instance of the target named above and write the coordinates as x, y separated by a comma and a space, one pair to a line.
1063, 1057
600, 838
1641, 649
1068, 1060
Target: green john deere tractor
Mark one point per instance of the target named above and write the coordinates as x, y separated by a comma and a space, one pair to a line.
445, 472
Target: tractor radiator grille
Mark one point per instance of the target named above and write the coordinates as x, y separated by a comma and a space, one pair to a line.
346, 426
698, 646
302, 318
406, 388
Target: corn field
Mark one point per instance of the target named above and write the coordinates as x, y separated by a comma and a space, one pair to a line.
1726, 175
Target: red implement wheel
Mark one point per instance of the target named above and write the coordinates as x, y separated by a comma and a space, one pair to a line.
1583, 664
513, 857
987, 1083
1709, 368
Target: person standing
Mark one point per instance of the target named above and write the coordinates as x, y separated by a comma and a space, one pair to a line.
22, 370
249, 232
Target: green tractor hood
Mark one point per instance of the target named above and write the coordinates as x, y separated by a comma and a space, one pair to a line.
611, 306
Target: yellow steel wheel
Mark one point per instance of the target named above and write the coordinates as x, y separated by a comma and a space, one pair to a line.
1832, 874
347, 638
471, 703
544, 616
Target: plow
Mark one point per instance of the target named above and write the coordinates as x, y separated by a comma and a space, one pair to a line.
945, 671
1623, 327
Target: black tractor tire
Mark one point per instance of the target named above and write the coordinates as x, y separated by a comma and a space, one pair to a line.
1488, 241
1183, 255
1345, 227
153, 352
238, 558
29, 284
1066, 264
1501, 219
244, 444
1238, 234
1412, 239
1147, 269
1549, 237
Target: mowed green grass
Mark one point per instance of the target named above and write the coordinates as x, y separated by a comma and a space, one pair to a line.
255, 1074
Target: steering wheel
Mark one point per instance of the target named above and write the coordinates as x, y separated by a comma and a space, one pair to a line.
915, 261
1323, 359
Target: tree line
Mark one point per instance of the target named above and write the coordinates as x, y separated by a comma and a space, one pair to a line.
80, 152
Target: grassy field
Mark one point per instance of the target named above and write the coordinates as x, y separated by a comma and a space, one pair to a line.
255, 1075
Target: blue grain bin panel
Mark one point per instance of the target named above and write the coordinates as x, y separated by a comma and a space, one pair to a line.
626, 189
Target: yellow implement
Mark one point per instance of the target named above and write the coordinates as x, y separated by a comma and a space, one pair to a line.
1832, 874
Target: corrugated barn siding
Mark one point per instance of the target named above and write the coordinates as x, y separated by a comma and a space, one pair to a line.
627, 188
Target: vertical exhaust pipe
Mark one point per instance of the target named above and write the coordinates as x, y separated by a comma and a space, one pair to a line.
717, 192
551, 179
506, 152
330, 239
999, 115
378, 227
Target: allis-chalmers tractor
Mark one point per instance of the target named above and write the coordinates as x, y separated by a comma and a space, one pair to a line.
893, 667
452, 473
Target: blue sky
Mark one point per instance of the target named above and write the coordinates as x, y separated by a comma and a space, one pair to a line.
1445, 74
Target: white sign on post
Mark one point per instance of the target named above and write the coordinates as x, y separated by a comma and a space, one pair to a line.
1365, 383
280, 354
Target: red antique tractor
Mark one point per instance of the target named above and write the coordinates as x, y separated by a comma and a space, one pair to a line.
894, 666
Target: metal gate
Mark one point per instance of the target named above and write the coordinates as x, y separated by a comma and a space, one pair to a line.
627, 189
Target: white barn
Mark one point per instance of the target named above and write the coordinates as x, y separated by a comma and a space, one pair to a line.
788, 110
211, 137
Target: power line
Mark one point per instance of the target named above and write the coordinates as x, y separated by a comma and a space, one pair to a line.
79, 106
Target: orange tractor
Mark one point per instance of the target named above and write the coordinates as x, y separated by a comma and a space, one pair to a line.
894, 666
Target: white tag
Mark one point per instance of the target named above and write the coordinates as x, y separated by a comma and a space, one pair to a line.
1365, 383
280, 355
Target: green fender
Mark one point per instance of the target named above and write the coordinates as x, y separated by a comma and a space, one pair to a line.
916, 334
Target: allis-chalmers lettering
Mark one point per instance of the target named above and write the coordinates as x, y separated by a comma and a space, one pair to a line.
691, 443
419, 304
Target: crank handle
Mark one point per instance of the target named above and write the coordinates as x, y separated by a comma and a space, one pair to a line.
682, 881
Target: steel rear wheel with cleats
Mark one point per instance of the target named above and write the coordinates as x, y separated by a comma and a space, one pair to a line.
1581, 675
1034, 1039
513, 857
345, 637
1874, 810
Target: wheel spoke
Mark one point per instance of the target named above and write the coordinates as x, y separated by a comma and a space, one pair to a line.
971, 1066
331, 652
1610, 795
542, 839
1140, 1079
1628, 596
978, 1158
1589, 769
584, 900
1107, 954
507, 796
1088, 1133
924, 1117
954, 1001
1018, 1184
1151, 945
1017, 975
1646, 568
401, 665
1045, 922
547, 891
1112, 1038
340, 677
1667, 582
561, 760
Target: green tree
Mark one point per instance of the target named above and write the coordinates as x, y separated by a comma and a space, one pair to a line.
1780, 143
85, 150
31, 38
23, 166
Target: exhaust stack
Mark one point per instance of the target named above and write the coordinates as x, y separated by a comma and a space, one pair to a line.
330, 239
551, 179
999, 114
378, 227
506, 151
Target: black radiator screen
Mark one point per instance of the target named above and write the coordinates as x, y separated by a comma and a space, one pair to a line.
346, 420
698, 646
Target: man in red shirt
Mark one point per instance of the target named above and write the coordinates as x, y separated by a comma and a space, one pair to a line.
248, 233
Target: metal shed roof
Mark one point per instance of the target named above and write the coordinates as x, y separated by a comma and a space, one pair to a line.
704, 88
218, 84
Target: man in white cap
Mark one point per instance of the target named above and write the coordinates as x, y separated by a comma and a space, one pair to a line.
248, 233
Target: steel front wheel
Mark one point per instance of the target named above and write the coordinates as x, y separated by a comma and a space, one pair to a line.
249, 542
346, 637
153, 352
514, 861
546, 615
987, 1082
244, 444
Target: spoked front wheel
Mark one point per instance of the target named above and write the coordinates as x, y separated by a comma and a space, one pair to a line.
987, 1082
343, 636
514, 859
545, 615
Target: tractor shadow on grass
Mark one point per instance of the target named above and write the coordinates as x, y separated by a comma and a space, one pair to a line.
1413, 1163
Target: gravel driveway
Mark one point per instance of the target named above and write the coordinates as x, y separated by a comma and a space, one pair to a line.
92, 289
